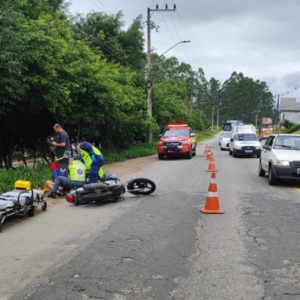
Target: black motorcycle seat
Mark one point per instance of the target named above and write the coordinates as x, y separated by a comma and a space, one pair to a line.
96, 185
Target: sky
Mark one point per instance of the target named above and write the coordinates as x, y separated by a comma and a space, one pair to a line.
259, 38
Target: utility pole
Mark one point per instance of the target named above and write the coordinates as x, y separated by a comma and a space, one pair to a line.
218, 120
277, 115
149, 82
192, 92
256, 119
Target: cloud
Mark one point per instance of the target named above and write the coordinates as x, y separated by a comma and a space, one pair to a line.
291, 80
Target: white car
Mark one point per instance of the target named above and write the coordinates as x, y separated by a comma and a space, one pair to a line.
225, 140
280, 157
220, 137
244, 143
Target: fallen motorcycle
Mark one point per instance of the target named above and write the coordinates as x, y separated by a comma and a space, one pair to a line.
110, 189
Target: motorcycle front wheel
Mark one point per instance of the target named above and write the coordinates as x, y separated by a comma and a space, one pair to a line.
141, 186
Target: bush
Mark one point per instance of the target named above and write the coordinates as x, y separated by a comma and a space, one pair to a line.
293, 129
287, 124
37, 175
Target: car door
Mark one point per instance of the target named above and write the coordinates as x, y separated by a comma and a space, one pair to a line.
220, 138
266, 153
193, 139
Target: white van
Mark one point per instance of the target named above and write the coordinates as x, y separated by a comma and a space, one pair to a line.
243, 141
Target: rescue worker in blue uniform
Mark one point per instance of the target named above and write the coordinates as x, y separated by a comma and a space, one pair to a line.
92, 159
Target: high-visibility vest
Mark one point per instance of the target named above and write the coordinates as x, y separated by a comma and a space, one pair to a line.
77, 171
85, 156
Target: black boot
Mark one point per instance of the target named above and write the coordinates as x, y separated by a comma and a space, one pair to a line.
52, 195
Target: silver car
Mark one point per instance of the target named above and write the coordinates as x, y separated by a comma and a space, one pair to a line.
225, 140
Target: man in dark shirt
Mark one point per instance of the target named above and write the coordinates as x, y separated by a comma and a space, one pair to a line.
62, 143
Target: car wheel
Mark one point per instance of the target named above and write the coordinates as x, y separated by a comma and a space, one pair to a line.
194, 152
234, 154
230, 153
272, 178
261, 172
189, 155
161, 156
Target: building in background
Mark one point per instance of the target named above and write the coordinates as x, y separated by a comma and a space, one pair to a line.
289, 109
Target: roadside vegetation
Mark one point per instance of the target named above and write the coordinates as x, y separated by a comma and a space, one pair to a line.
87, 72
37, 175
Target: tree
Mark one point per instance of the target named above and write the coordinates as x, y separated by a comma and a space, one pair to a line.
104, 33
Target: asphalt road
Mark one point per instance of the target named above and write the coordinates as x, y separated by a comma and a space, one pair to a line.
161, 246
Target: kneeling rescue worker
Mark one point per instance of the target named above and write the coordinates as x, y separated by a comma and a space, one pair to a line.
75, 179
92, 158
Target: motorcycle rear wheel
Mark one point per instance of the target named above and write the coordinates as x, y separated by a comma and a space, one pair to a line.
143, 186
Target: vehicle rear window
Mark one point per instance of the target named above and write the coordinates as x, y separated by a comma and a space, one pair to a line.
176, 132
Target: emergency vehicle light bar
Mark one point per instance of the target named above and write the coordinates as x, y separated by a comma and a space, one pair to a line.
177, 125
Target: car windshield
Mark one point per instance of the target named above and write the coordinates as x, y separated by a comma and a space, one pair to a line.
287, 143
226, 134
176, 132
245, 137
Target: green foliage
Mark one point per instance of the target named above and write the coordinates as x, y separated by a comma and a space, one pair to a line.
290, 126
104, 33
37, 175
48, 76
204, 135
140, 150
242, 98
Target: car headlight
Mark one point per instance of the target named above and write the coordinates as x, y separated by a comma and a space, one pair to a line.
258, 147
238, 147
283, 163
184, 142
161, 143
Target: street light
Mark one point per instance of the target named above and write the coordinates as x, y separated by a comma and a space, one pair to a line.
149, 82
182, 42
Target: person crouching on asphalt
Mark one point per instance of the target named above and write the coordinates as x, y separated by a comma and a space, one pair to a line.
75, 179
92, 158
59, 172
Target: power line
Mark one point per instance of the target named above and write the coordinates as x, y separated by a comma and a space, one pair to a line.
180, 40
184, 32
102, 5
288, 92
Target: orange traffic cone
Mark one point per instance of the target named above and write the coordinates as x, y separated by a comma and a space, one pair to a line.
206, 149
212, 200
209, 154
211, 166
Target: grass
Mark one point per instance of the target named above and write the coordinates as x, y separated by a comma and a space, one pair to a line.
204, 135
41, 172
146, 149
140, 150
37, 175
